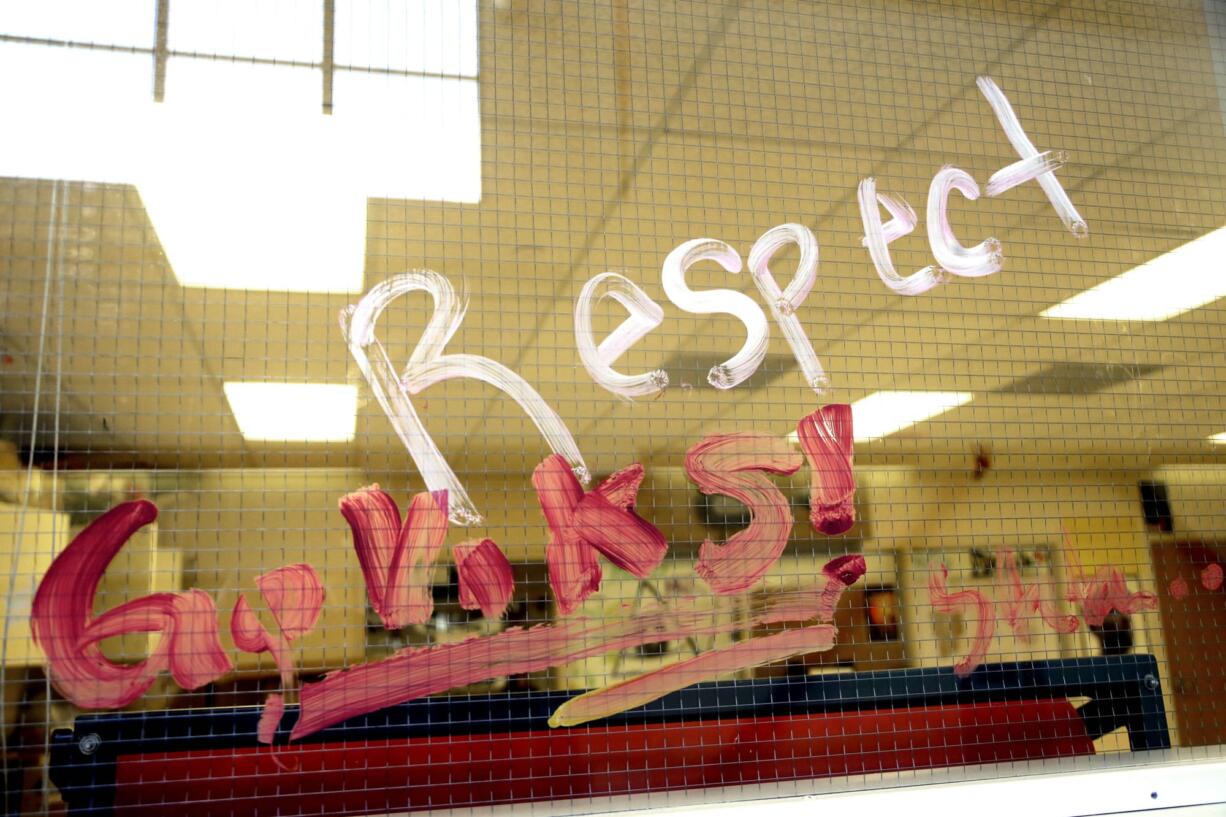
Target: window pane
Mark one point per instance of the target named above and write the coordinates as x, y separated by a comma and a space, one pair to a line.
270, 29
106, 22
432, 36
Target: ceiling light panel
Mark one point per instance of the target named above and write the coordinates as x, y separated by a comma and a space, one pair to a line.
1181, 280
293, 412
886, 412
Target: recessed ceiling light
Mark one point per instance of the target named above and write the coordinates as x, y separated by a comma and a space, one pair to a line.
885, 412
1218, 439
294, 412
1183, 279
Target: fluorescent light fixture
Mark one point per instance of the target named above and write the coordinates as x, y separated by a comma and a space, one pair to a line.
294, 412
1183, 279
104, 22
268, 29
427, 36
239, 196
885, 412
1218, 439
247, 183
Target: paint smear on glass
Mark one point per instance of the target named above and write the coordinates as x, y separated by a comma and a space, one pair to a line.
270, 718
1105, 591
645, 315
62, 626
1024, 170
295, 597
1211, 577
485, 575
1026, 149
745, 362
784, 303
419, 671
985, 258
736, 465
1022, 600
397, 558
429, 364
827, 441
602, 703
878, 236
1179, 588
583, 524
982, 613
644, 689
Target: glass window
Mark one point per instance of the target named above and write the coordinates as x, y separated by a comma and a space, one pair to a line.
604, 407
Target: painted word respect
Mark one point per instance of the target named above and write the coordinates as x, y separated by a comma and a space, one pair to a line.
952, 259
429, 363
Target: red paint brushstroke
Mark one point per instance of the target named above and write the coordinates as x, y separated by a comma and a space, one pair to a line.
486, 578
1179, 588
295, 597
826, 438
1211, 576
62, 626
1107, 590
1022, 600
983, 613
584, 524
840, 574
397, 558
736, 465
420, 671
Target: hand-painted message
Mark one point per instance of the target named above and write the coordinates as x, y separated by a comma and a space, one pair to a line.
1095, 596
396, 554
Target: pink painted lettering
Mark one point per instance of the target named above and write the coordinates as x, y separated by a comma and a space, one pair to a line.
64, 629
397, 558
736, 465
584, 524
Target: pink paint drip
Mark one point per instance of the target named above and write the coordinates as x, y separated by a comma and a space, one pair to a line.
826, 438
1211, 577
397, 558
420, 671
984, 615
270, 718
602, 703
486, 578
62, 627
1107, 590
1022, 600
1179, 588
295, 596
736, 465
584, 524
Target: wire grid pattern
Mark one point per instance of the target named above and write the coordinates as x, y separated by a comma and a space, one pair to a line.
608, 135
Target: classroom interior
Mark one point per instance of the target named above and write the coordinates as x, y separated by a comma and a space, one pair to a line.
544, 144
